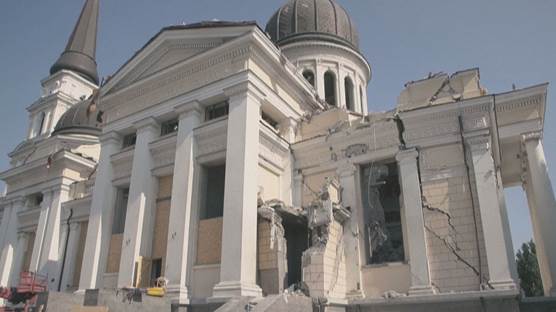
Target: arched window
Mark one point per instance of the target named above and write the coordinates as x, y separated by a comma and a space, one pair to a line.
41, 123
350, 100
362, 99
330, 88
309, 76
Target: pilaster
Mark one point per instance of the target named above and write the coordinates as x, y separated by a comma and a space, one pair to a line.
297, 192
181, 207
348, 180
22, 238
10, 239
71, 256
415, 224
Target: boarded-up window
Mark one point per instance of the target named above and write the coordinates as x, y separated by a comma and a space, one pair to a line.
162, 218
380, 189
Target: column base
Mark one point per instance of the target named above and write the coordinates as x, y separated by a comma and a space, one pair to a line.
422, 290
552, 292
178, 294
502, 285
236, 289
354, 294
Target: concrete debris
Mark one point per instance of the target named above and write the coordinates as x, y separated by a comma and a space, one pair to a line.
391, 294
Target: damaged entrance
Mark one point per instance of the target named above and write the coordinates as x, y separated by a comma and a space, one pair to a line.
380, 189
282, 239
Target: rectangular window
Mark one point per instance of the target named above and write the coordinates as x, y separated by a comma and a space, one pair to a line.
34, 201
156, 270
120, 211
273, 123
213, 192
216, 111
168, 127
380, 189
129, 140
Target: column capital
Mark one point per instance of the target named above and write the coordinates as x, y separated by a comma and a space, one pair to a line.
536, 135
14, 201
146, 124
74, 226
57, 188
408, 155
287, 123
187, 109
346, 170
478, 143
111, 137
46, 193
245, 88
22, 235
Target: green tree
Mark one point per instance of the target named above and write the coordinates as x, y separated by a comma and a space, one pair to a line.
528, 270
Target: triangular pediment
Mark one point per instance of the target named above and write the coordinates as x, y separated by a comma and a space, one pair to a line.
166, 54
173, 46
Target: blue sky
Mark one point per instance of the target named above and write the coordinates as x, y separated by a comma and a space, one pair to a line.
511, 41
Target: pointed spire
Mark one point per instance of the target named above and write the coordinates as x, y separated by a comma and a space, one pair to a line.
79, 55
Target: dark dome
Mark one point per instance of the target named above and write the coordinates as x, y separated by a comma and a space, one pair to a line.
79, 119
312, 19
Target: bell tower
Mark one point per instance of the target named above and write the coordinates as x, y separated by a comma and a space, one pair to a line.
72, 78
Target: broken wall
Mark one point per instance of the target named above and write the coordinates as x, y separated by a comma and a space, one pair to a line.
271, 255
324, 267
454, 235
269, 183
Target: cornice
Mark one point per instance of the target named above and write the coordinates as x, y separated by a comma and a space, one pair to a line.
408, 156
532, 136
190, 108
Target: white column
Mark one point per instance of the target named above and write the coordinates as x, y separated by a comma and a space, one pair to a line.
142, 192
22, 239
543, 212
100, 217
319, 78
46, 258
415, 224
238, 267
10, 240
35, 264
64, 230
348, 181
181, 206
71, 255
499, 267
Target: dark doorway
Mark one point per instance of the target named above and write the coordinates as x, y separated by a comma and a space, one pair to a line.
297, 241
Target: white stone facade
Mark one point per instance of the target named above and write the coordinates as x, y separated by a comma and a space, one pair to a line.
454, 150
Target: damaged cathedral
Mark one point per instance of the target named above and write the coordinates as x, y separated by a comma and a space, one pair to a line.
231, 161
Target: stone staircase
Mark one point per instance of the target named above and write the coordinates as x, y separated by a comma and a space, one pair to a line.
273, 303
